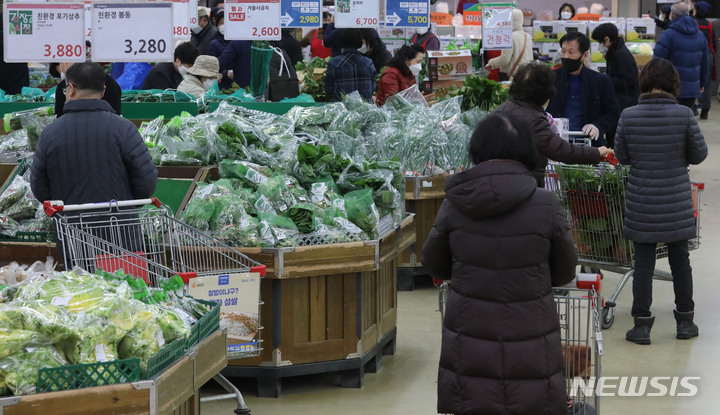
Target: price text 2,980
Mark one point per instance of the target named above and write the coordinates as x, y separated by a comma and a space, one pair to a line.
146, 46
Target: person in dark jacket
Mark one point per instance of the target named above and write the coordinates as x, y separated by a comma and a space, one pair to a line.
425, 38
659, 139
91, 154
219, 43
351, 71
684, 45
621, 68
204, 32
663, 20
702, 9
112, 94
331, 39
532, 87
375, 49
168, 75
583, 96
501, 348
235, 62
291, 46
13, 76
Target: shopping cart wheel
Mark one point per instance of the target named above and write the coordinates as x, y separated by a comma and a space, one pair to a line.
608, 317
584, 269
240, 411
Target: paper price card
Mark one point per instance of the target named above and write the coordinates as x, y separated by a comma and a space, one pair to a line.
357, 13
88, 19
181, 19
252, 20
193, 12
301, 13
43, 32
132, 32
497, 26
407, 14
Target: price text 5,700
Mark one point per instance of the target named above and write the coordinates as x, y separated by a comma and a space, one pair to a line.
145, 46
63, 51
266, 31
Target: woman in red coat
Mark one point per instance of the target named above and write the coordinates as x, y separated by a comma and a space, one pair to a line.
400, 72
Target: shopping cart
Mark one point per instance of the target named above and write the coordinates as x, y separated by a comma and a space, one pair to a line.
594, 197
148, 243
581, 339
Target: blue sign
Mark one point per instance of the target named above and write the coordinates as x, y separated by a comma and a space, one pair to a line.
400, 13
223, 280
301, 13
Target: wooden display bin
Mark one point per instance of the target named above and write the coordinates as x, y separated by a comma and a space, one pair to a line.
175, 391
328, 308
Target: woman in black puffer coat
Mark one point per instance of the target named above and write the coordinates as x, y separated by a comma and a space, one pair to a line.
659, 139
504, 243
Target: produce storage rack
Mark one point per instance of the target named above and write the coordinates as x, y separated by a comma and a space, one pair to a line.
423, 197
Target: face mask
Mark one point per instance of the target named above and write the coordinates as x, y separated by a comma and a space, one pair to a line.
566, 15
221, 29
603, 49
196, 29
415, 69
363, 49
62, 76
208, 83
421, 30
571, 65
183, 70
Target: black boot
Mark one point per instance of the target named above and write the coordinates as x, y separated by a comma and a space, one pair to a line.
704, 114
640, 334
686, 329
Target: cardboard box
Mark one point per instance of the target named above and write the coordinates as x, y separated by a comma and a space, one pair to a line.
544, 31
599, 67
571, 26
640, 30
619, 23
449, 65
549, 49
595, 55
435, 85
642, 60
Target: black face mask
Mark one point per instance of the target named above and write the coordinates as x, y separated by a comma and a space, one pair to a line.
325, 26
571, 65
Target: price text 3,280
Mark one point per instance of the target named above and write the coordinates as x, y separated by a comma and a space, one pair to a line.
145, 46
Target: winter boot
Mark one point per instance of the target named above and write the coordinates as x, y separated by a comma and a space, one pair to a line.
686, 329
640, 334
704, 114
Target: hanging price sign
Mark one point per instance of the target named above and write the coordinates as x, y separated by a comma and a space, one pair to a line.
132, 32
42, 32
301, 13
181, 19
252, 20
357, 13
497, 26
401, 13
193, 13
88, 19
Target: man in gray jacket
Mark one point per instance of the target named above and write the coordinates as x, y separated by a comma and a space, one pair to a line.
91, 154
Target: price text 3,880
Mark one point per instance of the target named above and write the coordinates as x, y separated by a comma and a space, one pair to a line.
63, 51
146, 46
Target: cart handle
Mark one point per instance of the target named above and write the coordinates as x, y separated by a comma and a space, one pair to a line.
610, 158
53, 206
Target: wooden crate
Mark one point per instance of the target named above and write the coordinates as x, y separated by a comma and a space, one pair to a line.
175, 391
423, 197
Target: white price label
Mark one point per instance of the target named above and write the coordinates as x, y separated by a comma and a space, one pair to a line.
43, 32
160, 338
132, 32
181, 19
193, 12
88, 19
497, 27
100, 355
252, 20
357, 13
60, 301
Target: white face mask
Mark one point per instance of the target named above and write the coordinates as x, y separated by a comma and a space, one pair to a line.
62, 76
183, 70
415, 69
363, 49
603, 49
221, 29
421, 30
566, 15
208, 83
196, 29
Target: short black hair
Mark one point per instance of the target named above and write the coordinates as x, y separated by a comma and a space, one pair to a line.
605, 29
533, 82
187, 53
404, 54
86, 75
659, 73
582, 40
504, 136
350, 38
564, 5
220, 15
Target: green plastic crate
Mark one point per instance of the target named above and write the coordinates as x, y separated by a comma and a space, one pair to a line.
207, 324
165, 357
88, 375
29, 237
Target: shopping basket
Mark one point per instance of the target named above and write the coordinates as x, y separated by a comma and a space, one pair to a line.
148, 243
594, 197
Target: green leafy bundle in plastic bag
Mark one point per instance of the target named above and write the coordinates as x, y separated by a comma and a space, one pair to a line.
20, 372
276, 231
361, 210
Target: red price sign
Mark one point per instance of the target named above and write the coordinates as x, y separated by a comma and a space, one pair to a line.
41, 32
252, 20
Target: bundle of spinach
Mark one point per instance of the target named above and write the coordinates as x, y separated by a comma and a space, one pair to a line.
318, 162
480, 92
313, 75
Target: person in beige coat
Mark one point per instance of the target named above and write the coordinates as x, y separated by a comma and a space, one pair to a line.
201, 76
521, 53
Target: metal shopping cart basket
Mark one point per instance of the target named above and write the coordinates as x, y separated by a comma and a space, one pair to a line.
581, 338
152, 245
594, 197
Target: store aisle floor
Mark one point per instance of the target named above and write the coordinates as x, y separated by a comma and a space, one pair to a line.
406, 384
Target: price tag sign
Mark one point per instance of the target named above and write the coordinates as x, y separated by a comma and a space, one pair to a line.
193, 12
301, 13
400, 13
497, 26
88, 19
252, 20
357, 13
181, 19
43, 32
132, 32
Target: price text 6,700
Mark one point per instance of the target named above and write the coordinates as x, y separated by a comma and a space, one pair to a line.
365, 21
146, 46
63, 51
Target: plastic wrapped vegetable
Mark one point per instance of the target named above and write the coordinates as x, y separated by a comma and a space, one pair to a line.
251, 173
361, 210
20, 371
14, 341
52, 324
17, 189
273, 196
307, 217
276, 231
144, 340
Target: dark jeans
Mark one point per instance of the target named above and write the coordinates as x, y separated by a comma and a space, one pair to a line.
679, 260
688, 102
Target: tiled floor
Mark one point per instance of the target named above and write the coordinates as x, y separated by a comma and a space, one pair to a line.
407, 382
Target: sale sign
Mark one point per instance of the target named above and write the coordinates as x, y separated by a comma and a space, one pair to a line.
357, 13
132, 32
42, 32
252, 20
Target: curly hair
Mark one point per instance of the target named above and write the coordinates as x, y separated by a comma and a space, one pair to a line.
533, 82
660, 74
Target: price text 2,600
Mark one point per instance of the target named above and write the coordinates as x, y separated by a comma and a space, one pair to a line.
145, 46
266, 31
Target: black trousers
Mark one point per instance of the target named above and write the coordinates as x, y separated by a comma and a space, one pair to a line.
679, 259
688, 102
